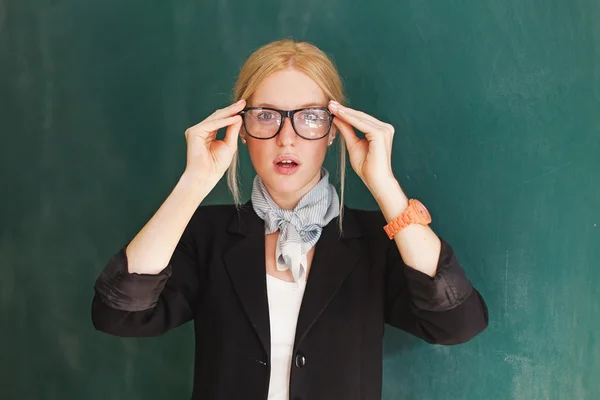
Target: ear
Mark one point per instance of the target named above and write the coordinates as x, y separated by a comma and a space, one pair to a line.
332, 134
243, 137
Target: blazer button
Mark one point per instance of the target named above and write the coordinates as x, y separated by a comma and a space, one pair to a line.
300, 360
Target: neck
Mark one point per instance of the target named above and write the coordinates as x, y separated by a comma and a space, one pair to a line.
289, 201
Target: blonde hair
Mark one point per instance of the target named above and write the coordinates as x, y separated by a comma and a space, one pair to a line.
276, 56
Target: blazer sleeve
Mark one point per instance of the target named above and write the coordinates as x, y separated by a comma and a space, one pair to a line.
140, 305
445, 309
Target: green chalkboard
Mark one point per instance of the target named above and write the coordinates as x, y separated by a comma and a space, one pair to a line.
496, 105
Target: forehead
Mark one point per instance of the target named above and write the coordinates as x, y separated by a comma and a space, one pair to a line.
288, 89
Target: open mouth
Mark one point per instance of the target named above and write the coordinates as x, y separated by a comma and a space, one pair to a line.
287, 164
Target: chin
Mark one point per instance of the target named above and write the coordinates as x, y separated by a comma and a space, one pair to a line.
286, 184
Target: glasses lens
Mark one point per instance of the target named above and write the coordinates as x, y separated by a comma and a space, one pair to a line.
312, 123
262, 123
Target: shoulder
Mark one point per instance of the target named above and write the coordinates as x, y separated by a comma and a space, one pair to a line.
215, 211
368, 222
221, 219
212, 218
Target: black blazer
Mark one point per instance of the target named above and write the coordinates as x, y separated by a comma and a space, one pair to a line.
357, 283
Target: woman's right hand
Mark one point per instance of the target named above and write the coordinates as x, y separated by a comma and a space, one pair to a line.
207, 157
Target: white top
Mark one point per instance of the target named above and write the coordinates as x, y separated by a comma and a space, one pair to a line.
284, 305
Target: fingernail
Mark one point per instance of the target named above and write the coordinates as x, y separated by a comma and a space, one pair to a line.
334, 106
333, 102
240, 101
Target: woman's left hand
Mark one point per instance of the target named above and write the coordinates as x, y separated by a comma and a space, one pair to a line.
370, 157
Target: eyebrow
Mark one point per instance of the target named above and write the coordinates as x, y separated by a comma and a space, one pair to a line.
305, 105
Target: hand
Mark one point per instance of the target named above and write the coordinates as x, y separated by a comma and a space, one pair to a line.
370, 157
208, 158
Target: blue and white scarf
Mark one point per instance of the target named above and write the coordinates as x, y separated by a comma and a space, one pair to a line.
299, 228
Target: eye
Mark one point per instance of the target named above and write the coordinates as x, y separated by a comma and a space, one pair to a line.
266, 116
313, 116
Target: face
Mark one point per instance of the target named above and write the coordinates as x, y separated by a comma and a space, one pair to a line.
288, 90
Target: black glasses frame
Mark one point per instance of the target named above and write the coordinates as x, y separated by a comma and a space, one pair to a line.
284, 114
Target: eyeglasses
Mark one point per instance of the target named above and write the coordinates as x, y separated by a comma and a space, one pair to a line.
310, 123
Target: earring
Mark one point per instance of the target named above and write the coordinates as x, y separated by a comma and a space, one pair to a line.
243, 140
331, 142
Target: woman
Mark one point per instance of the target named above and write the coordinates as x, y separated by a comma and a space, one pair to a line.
289, 293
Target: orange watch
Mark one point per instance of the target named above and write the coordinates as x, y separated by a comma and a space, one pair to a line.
415, 213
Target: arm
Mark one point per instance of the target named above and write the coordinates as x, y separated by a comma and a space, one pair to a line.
419, 245
136, 295
445, 309
152, 285
437, 302
427, 292
150, 250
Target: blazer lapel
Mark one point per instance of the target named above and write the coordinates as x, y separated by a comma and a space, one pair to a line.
246, 265
245, 260
332, 263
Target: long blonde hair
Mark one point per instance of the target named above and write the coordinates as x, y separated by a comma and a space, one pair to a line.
276, 56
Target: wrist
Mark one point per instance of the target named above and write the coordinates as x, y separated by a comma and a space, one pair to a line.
198, 183
391, 199
381, 186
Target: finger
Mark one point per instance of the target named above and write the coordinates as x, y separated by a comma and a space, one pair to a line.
359, 114
232, 133
232, 109
360, 124
347, 132
211, 127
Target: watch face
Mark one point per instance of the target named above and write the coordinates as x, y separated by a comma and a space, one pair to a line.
422, 211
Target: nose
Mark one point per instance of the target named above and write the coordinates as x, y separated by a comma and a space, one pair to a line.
287, 136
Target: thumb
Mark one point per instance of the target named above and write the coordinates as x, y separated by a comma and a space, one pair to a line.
232, 133
347, 132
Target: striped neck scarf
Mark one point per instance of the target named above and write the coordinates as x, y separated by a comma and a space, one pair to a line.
299, 228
